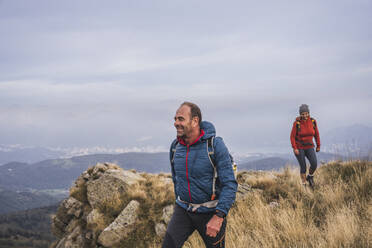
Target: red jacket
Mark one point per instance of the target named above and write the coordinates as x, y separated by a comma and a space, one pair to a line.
303, 138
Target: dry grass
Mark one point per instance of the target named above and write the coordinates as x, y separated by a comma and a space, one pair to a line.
113, 205
79, 193
338, 213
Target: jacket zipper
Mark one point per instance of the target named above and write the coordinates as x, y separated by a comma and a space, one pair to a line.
187, 171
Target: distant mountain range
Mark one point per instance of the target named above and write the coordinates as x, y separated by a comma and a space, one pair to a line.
25, 184
26, 154
60, 173
351, 141
33, 154
11, 201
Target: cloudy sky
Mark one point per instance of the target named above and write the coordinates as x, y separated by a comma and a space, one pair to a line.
112, 73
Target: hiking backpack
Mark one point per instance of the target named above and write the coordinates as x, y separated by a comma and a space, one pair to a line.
298, 124
298, 129
210, 150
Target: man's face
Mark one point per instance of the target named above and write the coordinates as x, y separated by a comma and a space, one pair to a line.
183, 122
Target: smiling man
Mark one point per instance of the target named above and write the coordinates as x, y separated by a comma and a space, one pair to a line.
203, 178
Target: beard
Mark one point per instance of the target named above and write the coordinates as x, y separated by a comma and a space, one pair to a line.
185, 130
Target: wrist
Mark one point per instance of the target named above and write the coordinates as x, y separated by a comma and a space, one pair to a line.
220, 214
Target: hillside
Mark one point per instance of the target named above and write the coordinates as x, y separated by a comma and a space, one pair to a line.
61, 173
11, 201
29, 228
26, 154
272, 209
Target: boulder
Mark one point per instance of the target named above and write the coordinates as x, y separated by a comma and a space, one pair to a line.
68, 209
74, 207
160, 229
122, 226
74, 240
110, 186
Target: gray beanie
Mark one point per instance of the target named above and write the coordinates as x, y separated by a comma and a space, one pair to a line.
304, 108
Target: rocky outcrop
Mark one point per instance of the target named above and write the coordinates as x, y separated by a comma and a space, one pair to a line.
87, 217
109, 186
109, 207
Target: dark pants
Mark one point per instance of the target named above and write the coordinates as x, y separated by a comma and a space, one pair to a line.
311, 156
184, 223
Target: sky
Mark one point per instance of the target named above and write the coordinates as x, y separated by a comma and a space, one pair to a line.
113, 73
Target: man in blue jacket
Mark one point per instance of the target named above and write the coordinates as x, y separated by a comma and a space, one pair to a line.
202, 199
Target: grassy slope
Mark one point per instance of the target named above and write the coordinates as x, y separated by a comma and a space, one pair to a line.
338, 213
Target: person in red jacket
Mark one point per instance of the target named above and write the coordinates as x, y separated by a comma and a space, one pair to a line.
303, 131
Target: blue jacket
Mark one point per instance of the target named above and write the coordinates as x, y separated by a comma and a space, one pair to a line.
192, 172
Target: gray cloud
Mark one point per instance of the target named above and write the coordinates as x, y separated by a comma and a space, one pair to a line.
92, 73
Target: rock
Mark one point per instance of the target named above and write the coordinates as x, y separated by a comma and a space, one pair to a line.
67, 210
58, 227
274, 204
243, 190
72, 225
110, 187
246, 177
74, 240
123, 225
94, 217
89, 235
61, 243
85, 175
74, 207
160, 229
167, 213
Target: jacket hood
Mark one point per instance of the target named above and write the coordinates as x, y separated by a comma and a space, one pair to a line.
208, 128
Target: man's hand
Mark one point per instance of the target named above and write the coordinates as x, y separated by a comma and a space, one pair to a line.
214, 226
296, 151
318, 149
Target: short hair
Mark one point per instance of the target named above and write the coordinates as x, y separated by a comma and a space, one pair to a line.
194, 109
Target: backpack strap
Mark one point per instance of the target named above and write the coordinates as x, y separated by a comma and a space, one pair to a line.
173, 151
298, 125
210, 150
314, 123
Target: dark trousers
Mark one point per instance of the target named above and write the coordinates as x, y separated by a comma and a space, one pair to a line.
311, 156
184, 223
